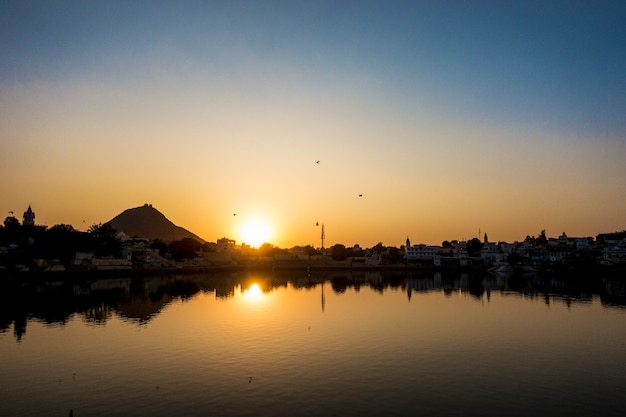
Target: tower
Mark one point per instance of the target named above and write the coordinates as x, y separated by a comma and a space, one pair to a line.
29, 217
323, 236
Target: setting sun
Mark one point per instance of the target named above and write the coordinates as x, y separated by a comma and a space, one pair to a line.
255, 232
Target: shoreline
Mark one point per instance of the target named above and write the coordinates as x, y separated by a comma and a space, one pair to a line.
74, 274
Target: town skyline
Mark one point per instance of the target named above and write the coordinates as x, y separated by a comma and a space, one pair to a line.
28, 218
377, 119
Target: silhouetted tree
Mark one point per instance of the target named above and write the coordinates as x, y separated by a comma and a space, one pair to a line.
184, 249
395, 256
378, 248
62, 242
160, 245
446, 245
105, 241
266, 249
474, 246
11, 230
310, 250
339, 252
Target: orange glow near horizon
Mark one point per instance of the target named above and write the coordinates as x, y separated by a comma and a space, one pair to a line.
255, 232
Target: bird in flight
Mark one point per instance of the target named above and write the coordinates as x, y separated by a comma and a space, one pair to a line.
317, 223
317, 162
360, 195
234, 214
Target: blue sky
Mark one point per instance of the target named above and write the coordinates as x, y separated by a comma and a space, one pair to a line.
373, 87
559, 63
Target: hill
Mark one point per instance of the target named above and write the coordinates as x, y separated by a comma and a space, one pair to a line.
148, 222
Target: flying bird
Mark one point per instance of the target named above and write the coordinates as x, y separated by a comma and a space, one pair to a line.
317, 223
360, 195
317, 162
234, 214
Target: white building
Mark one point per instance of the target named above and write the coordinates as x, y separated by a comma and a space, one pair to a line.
425, 252
614, 255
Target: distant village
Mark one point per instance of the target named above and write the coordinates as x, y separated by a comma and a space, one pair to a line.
27, 247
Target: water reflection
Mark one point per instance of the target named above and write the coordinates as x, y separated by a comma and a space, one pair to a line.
253, 293
140, 299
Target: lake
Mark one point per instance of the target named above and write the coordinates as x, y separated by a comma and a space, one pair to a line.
333, 343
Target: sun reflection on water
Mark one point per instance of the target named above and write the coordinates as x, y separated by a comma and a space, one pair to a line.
253, 293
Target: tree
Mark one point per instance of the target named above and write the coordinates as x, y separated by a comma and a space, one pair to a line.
12, 229
446, 244
184, 249
160, 245
11, 222
105, 240
339, 252
62, 242
310, 250
474, 246
266, 249
378, 248
395, 255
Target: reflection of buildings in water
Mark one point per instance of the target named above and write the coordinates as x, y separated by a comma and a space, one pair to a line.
493, 282
86, 288
304, 282
141, 299
437, 278
19, 327
224, 291
142, 309
97, 314
614, 293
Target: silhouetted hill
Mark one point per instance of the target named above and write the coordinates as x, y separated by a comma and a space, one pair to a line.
148, 222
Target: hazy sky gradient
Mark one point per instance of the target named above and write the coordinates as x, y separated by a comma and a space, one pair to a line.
447, 116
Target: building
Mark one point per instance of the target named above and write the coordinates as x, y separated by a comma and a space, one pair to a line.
424, 252
225, 245
29, 217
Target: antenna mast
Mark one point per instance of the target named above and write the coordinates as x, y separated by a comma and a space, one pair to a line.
323, 236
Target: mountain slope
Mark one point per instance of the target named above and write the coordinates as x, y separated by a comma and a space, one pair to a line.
148, 222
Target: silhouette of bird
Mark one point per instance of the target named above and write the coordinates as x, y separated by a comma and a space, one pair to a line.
317, 223
317, 162
360, 195
234, 214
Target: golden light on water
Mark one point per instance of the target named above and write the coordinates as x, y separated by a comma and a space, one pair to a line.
254, 293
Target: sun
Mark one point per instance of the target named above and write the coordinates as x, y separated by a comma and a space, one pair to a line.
255, 232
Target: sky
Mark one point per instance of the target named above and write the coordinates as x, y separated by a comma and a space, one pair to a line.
433, 120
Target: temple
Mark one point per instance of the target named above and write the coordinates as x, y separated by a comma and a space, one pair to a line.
29, 217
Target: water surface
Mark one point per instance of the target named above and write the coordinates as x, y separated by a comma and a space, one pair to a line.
330, 344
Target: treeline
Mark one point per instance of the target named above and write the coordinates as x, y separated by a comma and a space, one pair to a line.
21, 244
